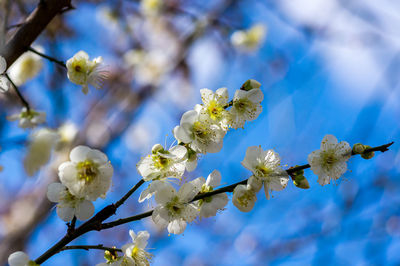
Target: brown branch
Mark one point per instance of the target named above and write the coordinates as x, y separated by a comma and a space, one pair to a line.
32, 27
89, 247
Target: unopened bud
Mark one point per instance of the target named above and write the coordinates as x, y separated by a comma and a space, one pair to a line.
301, 182
250, 84
368, 155
358, 148
156, 148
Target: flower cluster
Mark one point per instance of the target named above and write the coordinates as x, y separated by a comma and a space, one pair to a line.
83, 179
201, 131
134, 253
85, 72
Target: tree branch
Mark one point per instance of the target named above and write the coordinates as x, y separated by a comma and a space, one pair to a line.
32, 27
23, 101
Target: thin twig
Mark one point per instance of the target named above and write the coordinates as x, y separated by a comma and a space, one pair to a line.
89, 247
52, 59
24, 102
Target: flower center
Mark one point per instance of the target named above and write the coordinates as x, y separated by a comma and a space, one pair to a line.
29, 114
87, 171
160, 161
329, 159
200, 130
174, 206
214, 110
240, 105
205, 189
262, 170
245, 199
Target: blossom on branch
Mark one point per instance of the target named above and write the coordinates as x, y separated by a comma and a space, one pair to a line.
246, 106
329, 162
134, 253
213, 107
174, 210
163, 163
265, 166
88, 174
244, 198
209, 206
68, 205
84, 72
28, 118
201, 135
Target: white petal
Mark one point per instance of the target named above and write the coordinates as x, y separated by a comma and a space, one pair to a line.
177, 226
97, 156
182, 135
165, 194
4, 84
66, 213
266, 190
179, 151
254, 183
84, 210
141, 239
187, 192
79, 153
160, 216
132, 234
214, 179
54, 191
191, 165
328, 141
198, 182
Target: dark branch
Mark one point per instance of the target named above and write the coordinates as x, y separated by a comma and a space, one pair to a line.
61, 63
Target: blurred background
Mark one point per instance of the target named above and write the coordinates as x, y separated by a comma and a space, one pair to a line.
326, 67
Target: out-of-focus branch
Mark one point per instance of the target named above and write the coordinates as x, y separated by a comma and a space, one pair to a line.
32, 27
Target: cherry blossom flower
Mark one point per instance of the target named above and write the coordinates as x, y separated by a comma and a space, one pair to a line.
28, 118
246, 106
163, 163
210, 205
214, 105
244, 198
84, 72
329, 162
202, 135
68, 205
265, 166
88, 174
174, 210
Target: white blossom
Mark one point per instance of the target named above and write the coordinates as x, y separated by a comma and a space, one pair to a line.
134, 253
4, 83
265, 166
202, 135
163, 163
329, 162
41, 144
210, 205
151, 189
249, 40
28, 118
68, 205
174, 210
88, 174
246, 106
214, 105
244, 198
26, 67
20, 258
85, 72
68, 133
